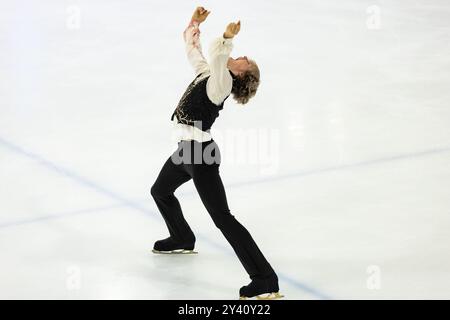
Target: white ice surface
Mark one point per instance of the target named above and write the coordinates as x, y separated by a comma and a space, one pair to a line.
360, 168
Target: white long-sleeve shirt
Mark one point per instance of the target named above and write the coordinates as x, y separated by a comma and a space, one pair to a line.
220, 82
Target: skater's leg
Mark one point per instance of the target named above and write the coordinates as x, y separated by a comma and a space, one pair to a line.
212, 193
169, 179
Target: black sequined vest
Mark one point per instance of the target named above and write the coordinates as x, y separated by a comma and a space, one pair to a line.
195, 108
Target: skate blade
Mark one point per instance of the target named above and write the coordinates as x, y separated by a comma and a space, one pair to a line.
270, 296
266, 296
178, 251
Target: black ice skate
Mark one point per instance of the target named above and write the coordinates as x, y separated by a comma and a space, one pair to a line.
169, 246
262, 289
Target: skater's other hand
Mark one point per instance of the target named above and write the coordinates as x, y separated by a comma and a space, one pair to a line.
200, 14
232, 29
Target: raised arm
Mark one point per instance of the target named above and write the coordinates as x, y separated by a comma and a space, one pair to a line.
191, 37
220, 81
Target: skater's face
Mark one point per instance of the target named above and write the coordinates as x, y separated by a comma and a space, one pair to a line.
239, 65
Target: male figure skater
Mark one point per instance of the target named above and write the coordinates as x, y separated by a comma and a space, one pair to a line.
198, 157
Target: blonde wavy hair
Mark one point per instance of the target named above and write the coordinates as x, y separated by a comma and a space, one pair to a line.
245, 86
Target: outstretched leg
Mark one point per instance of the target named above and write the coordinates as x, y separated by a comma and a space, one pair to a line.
169, 179
212, 193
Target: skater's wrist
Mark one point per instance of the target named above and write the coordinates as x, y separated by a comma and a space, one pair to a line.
227, 35
194, 23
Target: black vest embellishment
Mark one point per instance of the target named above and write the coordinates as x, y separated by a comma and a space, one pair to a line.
195, 108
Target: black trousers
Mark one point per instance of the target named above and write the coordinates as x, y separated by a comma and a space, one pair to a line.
192, 160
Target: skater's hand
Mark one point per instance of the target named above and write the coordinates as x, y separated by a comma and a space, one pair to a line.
232, 29
200, 14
